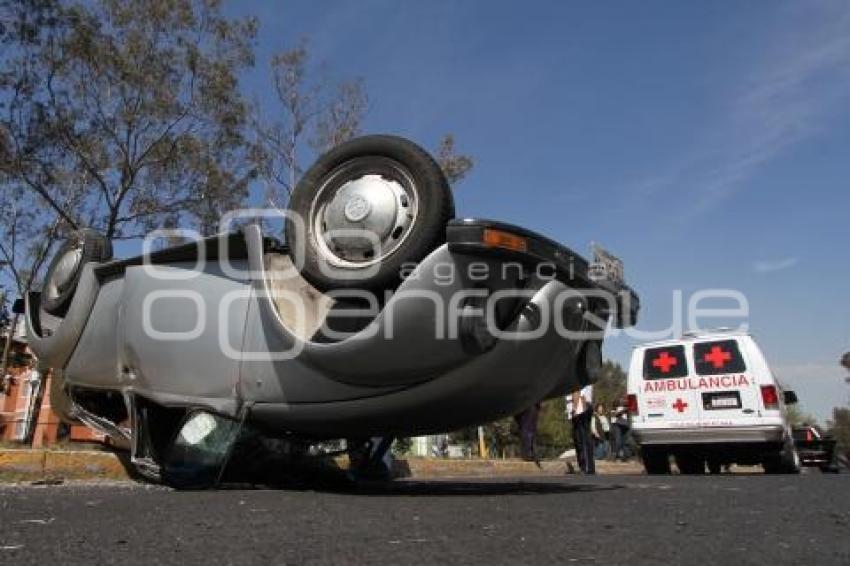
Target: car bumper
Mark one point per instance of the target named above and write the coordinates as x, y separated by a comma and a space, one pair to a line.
816, 453
548, 258
710, 435
815, 458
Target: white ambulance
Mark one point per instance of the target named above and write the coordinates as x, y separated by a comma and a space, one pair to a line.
709, 400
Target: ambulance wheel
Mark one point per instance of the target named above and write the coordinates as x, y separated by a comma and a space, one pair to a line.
793, 463
63, 275
772, 465
655, 461
366, 212
785, 462
690, 464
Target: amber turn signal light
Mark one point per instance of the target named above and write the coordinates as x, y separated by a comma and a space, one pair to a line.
505, 240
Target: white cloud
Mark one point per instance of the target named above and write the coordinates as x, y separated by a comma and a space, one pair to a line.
787, 90
767, 266
793, 89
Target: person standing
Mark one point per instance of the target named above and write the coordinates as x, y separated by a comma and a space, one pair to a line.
600, 427
527, 423
620, 423
580, 413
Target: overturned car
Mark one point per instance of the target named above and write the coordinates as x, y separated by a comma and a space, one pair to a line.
380, 315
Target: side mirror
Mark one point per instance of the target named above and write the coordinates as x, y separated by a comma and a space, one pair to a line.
18, 307
790, 397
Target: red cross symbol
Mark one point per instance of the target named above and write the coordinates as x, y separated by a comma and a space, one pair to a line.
664, 362
680, 405
717, 357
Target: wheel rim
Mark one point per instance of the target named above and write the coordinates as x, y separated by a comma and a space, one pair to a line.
63, 275
364, 211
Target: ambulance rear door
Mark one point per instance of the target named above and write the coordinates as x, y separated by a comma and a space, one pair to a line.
664, 396
728, 394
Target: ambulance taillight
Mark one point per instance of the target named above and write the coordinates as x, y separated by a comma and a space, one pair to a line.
632, 404
770, 397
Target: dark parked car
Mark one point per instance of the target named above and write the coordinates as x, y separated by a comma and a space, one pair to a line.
816, 448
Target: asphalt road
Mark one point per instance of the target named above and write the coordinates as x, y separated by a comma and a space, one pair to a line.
603, 520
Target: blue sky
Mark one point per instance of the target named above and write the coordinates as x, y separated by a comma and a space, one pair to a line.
705, 143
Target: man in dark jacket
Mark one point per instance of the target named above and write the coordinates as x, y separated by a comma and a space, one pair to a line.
527, 423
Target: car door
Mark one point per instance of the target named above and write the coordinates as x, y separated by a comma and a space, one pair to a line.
666, 393
728, 393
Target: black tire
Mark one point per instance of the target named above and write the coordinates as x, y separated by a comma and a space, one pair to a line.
90, 246
690, 464
772, 465
785, 462
656, 461
385, 156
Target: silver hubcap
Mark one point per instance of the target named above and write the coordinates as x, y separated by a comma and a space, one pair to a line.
64, 273
364, 211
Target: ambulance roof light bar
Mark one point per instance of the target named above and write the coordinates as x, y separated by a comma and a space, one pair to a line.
703, 332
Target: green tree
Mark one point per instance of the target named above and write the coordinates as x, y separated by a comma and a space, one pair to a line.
502, 438
839, 427
797, 417
27, 233
136, 102
554, 433
28, 229
610, 386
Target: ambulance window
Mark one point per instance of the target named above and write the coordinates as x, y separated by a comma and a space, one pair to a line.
713, 358
661, 363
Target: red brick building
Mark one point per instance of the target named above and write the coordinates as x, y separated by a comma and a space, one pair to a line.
25, 414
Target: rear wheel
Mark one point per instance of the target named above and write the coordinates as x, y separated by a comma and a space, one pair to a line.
772, 465
656, 461
60, 283
690, 464
366, 212
785, 462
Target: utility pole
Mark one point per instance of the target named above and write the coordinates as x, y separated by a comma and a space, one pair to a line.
482, 444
